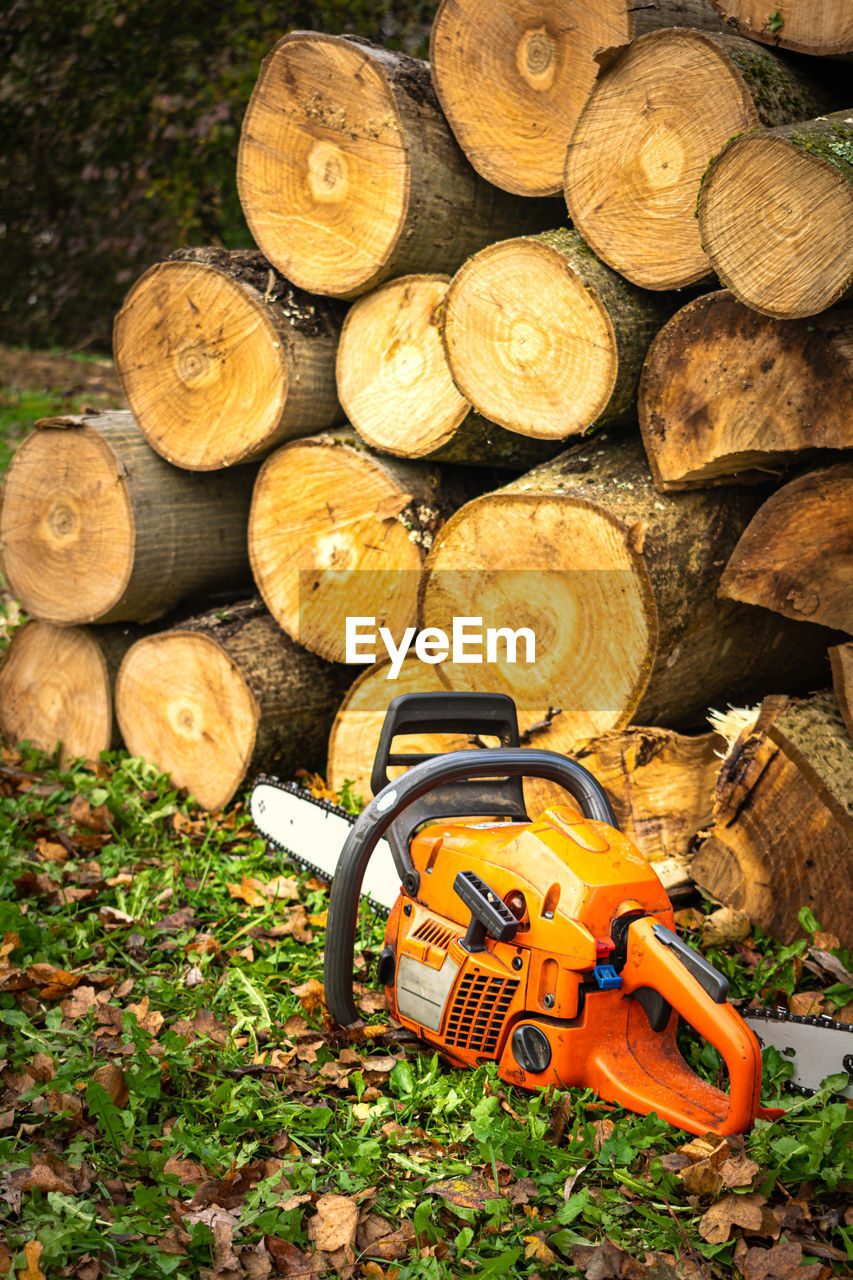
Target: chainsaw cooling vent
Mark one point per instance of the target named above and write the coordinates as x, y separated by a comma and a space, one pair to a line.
434, 933
479, 1012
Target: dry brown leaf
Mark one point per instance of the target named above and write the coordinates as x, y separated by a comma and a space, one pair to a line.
470, 1192
111, 1076
79, 1004
523, 1191
44, 1179
606, 1262
710, 1147
149, 1019
112, 918
715, 1226
334, 1225
250, 891
804, 1003
393, 1247
288, 1260
701, 1179
256, 1263
738, 1171
185, 1171
536, 1249
98, 820
603, 1130
779, 1262
32, 1254
49, 851
310, 995
726, 925
42, 1068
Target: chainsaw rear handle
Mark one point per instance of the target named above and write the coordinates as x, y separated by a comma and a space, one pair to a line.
652, 1076
375, 820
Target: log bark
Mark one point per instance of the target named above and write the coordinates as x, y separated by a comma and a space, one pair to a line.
656, 118
544, 339
57, 685
796, 555
221, 359
782, 836
512, 79
396, 388
618, 585
841, 662
336, 530
728, 393
95, 526
222, 695
348, 173
825, 28
776, 216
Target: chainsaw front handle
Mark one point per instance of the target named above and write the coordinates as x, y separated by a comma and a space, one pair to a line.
652, 1075
374, 821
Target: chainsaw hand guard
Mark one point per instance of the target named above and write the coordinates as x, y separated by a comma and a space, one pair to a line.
375, 820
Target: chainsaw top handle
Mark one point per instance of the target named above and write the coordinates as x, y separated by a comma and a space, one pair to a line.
375, 820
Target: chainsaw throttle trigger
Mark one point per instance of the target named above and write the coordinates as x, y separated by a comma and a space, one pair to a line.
489, 914
710, 978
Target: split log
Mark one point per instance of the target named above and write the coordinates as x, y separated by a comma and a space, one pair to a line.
512, 79
825, 28
782, 837
776, 216
544, 339
95, 526
396, 388
647, 134
336, 530
348, 173
660, 783
221, 359
796, 555
841, 661
56, 687
618, 585
726, 392
222, 695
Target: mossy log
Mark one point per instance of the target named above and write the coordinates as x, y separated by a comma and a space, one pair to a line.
801, 25
225, 694
776, 216
841, 661
654, 121
221, 359
348, 173
618, 585
96, 527
782, 837
728, 393
57, 684
339, 531
544, 339
796, 555
396, 388
513, 78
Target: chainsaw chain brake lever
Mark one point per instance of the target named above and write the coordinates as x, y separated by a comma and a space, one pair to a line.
710, 979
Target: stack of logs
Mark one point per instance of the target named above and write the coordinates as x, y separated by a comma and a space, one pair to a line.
386, 412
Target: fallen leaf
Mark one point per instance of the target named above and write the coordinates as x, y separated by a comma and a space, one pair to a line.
393, 1247
739, 1171
79, 1004
334, 1224
310, 995
98, 820
701, 1179
725, 925
804, 1003
779, 1262
732, 1211
606, 1262
48, 851
523, 1191
537, 1250
111, 1076
185, 1171
42, 1178
112, 918
470, 1192
603, 1130
288, 1260
32, 1254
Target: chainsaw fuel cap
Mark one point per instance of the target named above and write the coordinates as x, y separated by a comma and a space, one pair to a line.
531, 1049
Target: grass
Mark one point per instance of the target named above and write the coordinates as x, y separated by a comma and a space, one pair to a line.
176, 1103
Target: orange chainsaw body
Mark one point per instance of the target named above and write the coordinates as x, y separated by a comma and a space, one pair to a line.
548, 1006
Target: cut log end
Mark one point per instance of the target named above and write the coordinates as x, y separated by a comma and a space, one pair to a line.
776, 220
66, 526
529, 342
184, 705
841, 661
824, 29
323, 150
326, 540
393, 379
640, 148
512, 80
55, 691
201, 364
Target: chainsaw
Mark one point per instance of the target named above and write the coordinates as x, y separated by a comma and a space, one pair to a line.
546, 946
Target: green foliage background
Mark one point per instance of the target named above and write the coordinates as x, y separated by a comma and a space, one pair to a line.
119, 127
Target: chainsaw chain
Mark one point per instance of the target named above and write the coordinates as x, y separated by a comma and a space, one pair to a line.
775, 1013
